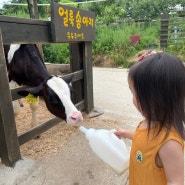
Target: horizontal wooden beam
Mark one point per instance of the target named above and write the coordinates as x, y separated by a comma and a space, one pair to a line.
78, 75
27, 30
36, 131
39, 129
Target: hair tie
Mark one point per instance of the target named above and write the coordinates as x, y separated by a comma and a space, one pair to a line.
141, 57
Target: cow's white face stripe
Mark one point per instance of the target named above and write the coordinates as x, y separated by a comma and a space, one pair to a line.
60, 87
13, 49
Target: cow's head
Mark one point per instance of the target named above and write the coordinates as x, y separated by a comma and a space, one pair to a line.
57, 95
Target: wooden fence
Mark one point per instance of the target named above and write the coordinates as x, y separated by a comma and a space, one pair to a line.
24, 31
172, 31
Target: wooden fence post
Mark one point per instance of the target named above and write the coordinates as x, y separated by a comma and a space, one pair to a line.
9, 145
34, 14
81, 58
76, 63
88, 77
164, 31
33, 9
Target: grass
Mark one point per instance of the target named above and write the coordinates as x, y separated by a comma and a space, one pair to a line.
115, 40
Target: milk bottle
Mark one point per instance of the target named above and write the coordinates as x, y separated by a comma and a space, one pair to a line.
112, 150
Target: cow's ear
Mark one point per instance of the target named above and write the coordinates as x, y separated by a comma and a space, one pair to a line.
68, 79
35, 91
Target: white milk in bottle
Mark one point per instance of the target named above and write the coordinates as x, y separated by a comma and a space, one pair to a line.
112, 150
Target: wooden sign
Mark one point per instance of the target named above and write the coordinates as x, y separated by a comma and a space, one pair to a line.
71, 24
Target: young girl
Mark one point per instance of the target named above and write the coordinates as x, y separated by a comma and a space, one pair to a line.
157, 83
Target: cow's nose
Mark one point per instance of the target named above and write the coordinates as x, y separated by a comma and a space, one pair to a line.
75, 118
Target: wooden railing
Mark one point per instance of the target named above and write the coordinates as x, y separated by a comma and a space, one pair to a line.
23, 31
172, 31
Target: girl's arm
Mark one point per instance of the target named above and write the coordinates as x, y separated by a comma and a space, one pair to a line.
122, 133
172, 158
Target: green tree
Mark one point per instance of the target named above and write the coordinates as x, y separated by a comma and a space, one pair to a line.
15, 10
112, 10
149, 9
20, 10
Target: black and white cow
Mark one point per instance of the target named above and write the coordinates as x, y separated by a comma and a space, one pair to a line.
26, 67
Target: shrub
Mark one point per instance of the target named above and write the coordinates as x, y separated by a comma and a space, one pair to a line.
177, 50
56, 53
114, 40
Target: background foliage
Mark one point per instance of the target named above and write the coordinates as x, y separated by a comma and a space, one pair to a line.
116, 21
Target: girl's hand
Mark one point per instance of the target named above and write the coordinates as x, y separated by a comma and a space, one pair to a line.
122, 133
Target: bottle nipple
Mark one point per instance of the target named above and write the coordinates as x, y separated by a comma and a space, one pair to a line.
83, 129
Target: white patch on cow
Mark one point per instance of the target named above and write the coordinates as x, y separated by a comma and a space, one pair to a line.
61, 88
12, 50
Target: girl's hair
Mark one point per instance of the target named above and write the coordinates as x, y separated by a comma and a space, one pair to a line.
159, 84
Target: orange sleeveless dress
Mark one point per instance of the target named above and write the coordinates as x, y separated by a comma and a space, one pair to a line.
143, 169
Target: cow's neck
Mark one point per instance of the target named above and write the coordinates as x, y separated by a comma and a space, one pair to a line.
31, 79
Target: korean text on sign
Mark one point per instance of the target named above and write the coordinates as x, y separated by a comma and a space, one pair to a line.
69, 19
